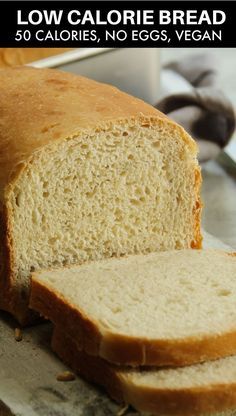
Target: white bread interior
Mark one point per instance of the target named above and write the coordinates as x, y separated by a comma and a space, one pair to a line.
166, 308
89, 173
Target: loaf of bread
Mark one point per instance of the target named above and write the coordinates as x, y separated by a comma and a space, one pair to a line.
10, 57
200, 389
87, 172
169, 308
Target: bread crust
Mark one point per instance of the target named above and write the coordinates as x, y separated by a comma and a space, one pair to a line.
183, 401
125, 350
46, 106
10, 57
66, 349
42, 108
11, 299
197, 211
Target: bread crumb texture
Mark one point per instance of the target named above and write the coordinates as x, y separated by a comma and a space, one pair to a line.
170, 295
127, 190
90, 173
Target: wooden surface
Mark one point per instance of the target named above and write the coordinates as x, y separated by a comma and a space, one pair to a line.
28, 370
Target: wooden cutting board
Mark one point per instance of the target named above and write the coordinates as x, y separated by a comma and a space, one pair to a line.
28, 371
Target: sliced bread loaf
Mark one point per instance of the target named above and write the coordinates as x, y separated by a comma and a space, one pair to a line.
87, 172
169, 308
209, 387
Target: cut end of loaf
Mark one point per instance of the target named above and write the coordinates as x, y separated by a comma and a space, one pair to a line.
127, 188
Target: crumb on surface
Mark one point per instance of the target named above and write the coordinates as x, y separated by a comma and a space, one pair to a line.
66, 376
18, 334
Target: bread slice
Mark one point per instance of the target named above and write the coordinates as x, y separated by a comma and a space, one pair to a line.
169, 308
200, 388
87, 172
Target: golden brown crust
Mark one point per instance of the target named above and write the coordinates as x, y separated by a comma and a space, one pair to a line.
124, 350
10, 57
7, 287
41, 108
183, 401
4, 263
197, 210
11, 299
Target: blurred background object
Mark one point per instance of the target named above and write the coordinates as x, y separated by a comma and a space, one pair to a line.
191, 96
